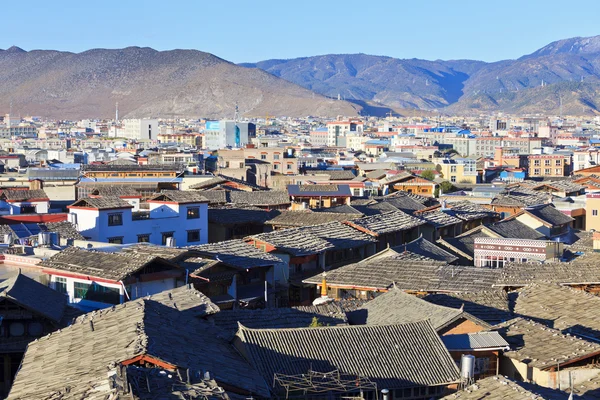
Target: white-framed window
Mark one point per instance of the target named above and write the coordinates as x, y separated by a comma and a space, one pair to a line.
60, 284
453, 178
595, 213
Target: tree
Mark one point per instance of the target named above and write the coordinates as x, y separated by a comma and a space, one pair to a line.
428, 174
315, 323
447, 187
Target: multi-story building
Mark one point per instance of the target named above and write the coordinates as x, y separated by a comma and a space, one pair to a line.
319, 137
338, 129
548, 165
174, 218
187, 139
495, 252
227, 133
585, 158
458, 170
140, 129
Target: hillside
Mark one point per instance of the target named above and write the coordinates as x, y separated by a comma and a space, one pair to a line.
148, 83
457, 86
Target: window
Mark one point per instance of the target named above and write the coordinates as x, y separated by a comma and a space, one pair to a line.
81, 289
453, 178
558, 163
193, 236
547, 171
263, 156
557, 171
453, 168
276, 156
275, 166
60, 284
289, 166
536, 171
116, 240
144, 238
28, 209
595, 213
536, 163
115, 219
547, 162
193, 212
165, 236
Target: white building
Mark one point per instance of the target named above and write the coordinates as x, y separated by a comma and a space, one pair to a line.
140, 129
15, 202
98, 279
175, 218
337, 129
227, 133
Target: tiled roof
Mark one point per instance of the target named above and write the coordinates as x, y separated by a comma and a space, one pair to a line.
260, 198
397, 307
468, 211
180, 196
406, 204
215, 196
514, 229
475, 341
239, 215
424, 248
548, 213
111, 191
64, 228
237, 253
520, 197
565, 185
414, 354
501, 388
34, 296
113, 266
315, 239
217, 180
145, 327
306, 218
135, 167
417, 197
101, 203
343, 209
375, 208
562, 308
463, 243
411, 274
491, 306
23, 195
542, 347
242, 182
344, 175
385, 223
319, 190
277, 318
438, 218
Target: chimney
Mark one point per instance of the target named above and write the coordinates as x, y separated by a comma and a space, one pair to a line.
324, 285
385, 394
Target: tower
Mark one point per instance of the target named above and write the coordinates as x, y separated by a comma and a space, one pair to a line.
117, 112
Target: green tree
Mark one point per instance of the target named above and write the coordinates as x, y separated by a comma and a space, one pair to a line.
447, 187
315, 323
428, 174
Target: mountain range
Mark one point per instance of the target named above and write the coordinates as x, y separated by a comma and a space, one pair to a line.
562, 77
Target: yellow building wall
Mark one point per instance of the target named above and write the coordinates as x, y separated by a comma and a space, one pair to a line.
592, 221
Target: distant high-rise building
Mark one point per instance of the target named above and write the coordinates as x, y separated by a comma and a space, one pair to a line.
140, 129
228, 133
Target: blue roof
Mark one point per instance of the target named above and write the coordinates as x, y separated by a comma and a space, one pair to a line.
379, 141
65, 166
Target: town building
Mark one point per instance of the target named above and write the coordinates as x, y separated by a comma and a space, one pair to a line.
140, 129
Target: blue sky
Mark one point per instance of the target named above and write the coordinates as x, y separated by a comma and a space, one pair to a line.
254, 30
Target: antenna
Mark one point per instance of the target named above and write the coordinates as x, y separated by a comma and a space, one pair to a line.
236, 116
117, 112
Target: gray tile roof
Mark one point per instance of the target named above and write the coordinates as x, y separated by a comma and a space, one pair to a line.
417, 197
121, 333
306, 218
424, 248
438, 218
491, 306
548, 213
501, 388
463, 243
217, 180
113, 266
111, 191
584, 269
468, 211
242, 182
239, 215
380, 224
34, 296
180, 196
542, 347
406, 204
375, 208
215, 196
397, 307
260, 198
102, 203
64, 228
409, 273
343, 209
562, 308
23, 195
277, 318
565, 185
315, 239
514, 229
319, 190
475, 341
345, 175
414, 354
237, 253
520, 197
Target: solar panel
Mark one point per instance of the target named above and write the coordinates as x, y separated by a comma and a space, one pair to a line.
33, 228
